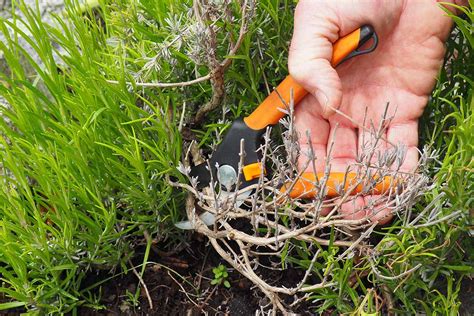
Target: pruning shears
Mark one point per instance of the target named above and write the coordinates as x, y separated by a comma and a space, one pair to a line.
223, 166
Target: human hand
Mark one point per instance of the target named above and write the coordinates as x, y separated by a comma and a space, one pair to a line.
401, 71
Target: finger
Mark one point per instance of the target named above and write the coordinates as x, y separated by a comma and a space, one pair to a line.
354, 209
372, 146
310, 54
342, 148
372, 207
377, 209
313, 132
405, 133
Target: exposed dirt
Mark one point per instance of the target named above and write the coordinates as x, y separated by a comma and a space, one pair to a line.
180, 284
466, 296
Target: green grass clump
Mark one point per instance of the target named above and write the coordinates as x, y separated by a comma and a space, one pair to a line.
441, 254
85, 162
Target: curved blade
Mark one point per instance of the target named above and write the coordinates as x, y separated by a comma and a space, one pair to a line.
202, 173
209, 218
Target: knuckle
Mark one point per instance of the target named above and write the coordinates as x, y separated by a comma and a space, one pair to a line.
298, 70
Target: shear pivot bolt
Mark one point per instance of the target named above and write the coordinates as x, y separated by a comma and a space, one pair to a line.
227, 176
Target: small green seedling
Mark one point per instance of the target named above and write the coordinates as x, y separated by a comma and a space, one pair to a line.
220, 276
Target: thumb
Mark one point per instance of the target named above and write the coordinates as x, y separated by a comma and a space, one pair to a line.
321, 80
310, 56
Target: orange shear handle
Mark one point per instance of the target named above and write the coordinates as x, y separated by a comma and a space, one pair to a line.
305, 188
269, 112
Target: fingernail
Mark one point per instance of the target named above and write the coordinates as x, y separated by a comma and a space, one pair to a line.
323, 101
322, 98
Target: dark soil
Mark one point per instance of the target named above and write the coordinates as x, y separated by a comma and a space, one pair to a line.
466, 296
179, 283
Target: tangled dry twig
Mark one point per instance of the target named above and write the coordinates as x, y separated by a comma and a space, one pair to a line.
250, 236
206, 20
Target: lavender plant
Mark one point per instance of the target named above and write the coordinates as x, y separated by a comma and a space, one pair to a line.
93, 130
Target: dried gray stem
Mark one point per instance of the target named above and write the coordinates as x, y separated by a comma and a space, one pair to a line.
274, 219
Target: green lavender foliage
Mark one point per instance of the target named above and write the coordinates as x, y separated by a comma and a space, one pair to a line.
85, 162
442, 251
